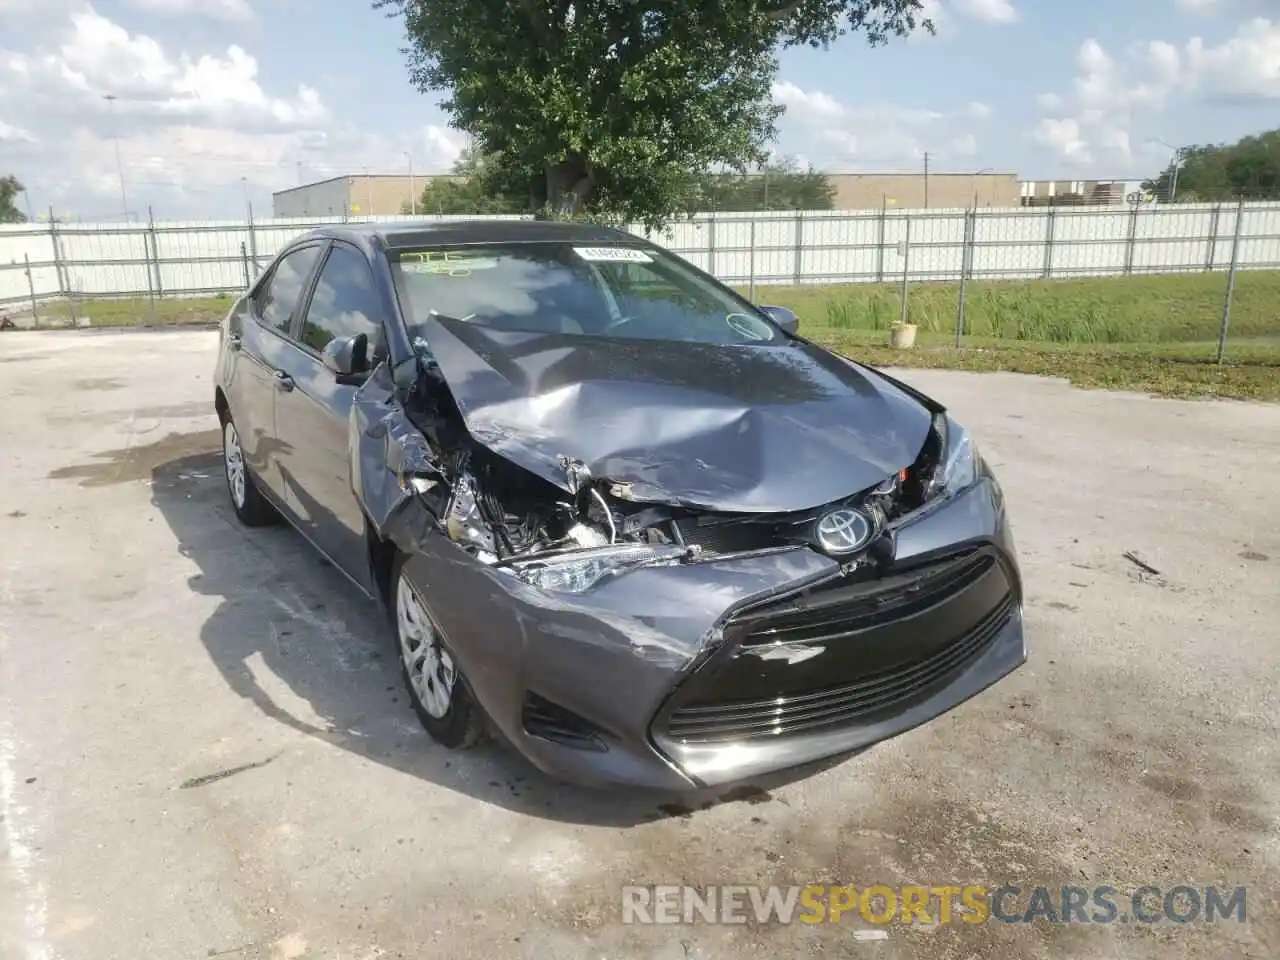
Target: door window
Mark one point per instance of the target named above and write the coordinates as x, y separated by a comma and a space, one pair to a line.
280, 294
344, 303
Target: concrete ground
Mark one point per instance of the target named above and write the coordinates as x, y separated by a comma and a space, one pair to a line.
205, 750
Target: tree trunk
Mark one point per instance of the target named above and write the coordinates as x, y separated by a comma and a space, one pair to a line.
569, 186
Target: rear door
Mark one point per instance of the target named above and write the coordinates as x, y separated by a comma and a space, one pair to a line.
312, 414
263, 346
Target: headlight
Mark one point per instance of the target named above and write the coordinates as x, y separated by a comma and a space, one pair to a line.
958, 462
580, 571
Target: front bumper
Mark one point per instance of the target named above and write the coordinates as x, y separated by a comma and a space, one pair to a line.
737, 667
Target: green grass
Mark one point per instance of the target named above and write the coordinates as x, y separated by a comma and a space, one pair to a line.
1156, 334
136, 312
1177, 308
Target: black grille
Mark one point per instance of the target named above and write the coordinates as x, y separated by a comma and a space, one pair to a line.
550, 721
838, 705
716, 535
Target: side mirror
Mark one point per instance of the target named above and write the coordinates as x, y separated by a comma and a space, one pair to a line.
347, 357
784, 318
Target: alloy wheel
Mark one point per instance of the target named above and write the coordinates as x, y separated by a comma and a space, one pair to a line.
430, 667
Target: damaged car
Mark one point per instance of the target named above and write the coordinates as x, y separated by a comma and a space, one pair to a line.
637, 526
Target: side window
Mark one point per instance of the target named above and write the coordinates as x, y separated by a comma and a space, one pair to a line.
280, 294
344, 303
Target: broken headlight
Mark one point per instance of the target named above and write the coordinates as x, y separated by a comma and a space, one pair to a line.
581, 570
958, 461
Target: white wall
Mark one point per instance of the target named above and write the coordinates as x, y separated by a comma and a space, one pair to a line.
813, 247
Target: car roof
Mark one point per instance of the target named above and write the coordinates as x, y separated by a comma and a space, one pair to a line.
450, 232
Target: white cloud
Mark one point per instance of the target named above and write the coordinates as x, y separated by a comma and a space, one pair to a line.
231, 10
1111, 95
987, 11
1064, 137
11, 134
1205, 8
198, 129
98, 57
875, 133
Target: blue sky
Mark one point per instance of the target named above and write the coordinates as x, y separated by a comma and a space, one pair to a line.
219, 101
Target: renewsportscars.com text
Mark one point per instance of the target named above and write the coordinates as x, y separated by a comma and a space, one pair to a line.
946, 903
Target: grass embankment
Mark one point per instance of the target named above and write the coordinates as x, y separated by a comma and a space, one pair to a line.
1155, 333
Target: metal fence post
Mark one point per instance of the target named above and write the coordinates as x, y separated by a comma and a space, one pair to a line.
1231, 282
148, 252
1046, 271
711, 244
253, 242
155, 248
1132, 241
880, 238
31, 289
906, 266
1211, 251
244, 260
57, 256
799, 247
966, 267
751, 263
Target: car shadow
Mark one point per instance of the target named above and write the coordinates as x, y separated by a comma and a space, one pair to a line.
291, 635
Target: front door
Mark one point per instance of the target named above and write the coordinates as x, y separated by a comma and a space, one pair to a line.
263, 348
312, 415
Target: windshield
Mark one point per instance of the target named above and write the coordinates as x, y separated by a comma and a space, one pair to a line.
576, 289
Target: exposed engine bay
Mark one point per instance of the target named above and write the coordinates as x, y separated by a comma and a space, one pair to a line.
505, 515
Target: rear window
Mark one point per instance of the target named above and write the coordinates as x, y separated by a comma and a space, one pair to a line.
575, 289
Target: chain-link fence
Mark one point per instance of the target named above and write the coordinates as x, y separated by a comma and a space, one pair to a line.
937, 269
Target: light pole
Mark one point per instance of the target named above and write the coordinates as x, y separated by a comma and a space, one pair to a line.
973, 182
1175, 164
115, 135
413, 187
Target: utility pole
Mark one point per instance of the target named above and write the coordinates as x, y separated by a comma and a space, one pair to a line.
926, 179
115, 135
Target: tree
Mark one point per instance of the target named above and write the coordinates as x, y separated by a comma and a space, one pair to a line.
778, 185
470, 188
1249, 168
621, 106
10, 187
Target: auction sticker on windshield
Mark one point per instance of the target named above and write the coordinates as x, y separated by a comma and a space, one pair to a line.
613, 254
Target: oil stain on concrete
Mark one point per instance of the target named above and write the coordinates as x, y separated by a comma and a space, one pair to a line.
137, 463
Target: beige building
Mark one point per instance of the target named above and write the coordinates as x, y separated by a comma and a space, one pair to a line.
386, 194
915, 191
359, 195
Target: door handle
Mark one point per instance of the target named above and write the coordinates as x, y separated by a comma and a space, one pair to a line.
283, 380
233, 341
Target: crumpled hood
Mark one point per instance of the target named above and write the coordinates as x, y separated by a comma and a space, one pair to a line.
733, 428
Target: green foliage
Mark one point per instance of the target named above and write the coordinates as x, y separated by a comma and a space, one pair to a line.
471, 188
621, 106
1249, 168
9, 190
779, 185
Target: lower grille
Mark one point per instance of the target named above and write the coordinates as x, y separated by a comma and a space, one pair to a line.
852, 650
839, 705
549, 721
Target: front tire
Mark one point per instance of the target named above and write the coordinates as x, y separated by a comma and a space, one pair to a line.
437, 690
251, 507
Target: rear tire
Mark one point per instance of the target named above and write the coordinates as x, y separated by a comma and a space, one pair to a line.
437, 689
251, 507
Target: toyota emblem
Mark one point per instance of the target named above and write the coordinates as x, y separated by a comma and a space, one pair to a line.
844, 531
